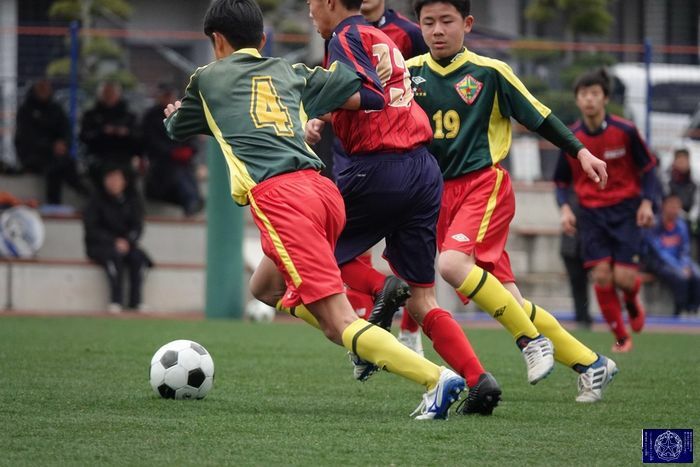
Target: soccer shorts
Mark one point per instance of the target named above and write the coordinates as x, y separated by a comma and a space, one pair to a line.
300, 216
475, 217
611, 234
395, 197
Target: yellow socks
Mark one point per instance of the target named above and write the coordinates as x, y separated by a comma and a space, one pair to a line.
299, 311
487, 292
374, 344
567, 349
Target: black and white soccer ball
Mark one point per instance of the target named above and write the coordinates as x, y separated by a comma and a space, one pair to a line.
182, 369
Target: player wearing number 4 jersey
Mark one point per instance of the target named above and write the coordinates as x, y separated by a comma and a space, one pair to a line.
470, 100
256, 108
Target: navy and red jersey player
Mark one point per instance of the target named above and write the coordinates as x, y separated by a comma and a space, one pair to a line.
392, 187
407, 37
610, 220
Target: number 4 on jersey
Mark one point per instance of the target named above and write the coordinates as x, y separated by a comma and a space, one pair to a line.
266, 108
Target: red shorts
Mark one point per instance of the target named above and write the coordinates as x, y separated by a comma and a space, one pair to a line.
475, 217
300, 216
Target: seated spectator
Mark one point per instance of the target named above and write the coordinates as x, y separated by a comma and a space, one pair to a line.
42, 139
171, 174
108, 131
682, 184
113, 221
669, 259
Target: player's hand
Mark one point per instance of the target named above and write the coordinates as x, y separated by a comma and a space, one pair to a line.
593, 167
568, 220
171, 108
645, 215
312, 132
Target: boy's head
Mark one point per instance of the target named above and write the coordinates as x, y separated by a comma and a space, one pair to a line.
234, 25
671, 208
681, 160
327, 14
592, 91
114, 181
443, 24
372, 10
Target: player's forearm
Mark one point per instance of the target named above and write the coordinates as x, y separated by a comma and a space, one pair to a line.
553, 130
648, 183
562, 193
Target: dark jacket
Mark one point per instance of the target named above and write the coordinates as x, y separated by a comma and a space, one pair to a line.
104, 148
107, 218
39, 125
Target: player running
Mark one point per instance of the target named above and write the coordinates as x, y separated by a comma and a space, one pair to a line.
253, 107
470, 100
609, 220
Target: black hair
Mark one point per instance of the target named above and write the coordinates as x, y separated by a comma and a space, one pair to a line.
463, 6
598, 77
239, 21
351, 5
681, 151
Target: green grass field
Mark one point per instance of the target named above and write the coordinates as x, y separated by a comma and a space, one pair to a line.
75, 391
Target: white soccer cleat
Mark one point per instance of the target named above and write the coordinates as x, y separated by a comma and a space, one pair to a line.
412, 340
436, 402
539, 358
593, 381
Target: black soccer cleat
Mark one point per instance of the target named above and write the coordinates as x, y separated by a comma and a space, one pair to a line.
387, 302
483, 397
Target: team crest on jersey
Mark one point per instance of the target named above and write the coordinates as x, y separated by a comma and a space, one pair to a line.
469, 89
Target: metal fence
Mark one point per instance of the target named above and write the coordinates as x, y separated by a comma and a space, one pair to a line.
661, 97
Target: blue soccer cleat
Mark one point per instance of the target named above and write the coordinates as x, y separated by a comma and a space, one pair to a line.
436, 402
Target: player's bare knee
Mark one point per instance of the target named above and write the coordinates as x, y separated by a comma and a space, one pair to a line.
454, 267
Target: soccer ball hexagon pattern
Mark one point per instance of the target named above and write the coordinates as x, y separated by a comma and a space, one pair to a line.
182, 369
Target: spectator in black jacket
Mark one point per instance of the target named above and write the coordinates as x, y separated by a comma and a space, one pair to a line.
108, 131
113, 222
42, 140
172, 172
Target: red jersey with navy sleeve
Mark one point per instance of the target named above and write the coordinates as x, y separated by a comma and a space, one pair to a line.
619, 144
404, 32
401, 124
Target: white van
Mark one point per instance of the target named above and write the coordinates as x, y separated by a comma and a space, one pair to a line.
675, 96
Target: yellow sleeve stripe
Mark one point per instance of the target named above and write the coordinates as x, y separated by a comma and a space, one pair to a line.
241, 181
417, 61
514, 81
490, 205
277, 242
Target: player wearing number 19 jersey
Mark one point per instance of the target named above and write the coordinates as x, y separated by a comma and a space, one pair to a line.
393, 185
470, 100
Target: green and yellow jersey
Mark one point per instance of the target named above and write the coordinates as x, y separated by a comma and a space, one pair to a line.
470, 102
257, 108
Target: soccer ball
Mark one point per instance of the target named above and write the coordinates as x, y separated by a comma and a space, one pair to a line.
21, 232
259, 312
182, 369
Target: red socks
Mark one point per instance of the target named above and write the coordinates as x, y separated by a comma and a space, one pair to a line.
632, 294
611, 309
360, 302
361, 277
450, 342
408, 323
